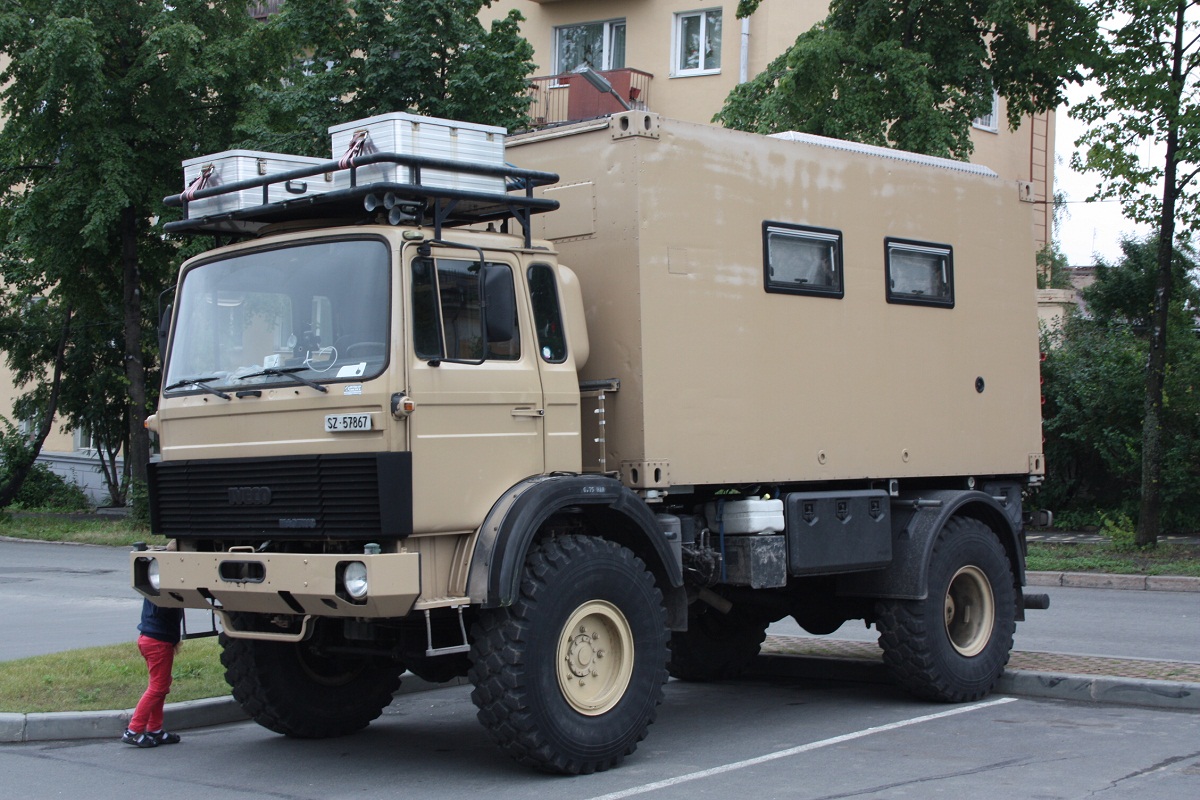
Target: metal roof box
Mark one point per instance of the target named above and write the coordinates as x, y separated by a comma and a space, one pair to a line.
430, 137
231, 166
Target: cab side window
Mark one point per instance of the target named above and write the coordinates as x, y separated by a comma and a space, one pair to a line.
547, 314
447, 323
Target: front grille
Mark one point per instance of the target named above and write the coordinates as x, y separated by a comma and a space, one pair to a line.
319, 496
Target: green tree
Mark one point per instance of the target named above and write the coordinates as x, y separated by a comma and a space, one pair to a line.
102, 100
915, 74
1147, 74
366, 57
1094, 390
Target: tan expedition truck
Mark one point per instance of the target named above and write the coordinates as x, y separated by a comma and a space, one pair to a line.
600, 429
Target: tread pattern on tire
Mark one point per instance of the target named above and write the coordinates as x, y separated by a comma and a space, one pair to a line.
912, 634
504, 689
258, 671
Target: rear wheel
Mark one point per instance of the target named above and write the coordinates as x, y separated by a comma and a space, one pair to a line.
952, 646
305, 690
568, 678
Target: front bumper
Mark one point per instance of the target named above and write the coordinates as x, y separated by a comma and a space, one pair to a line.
279, 583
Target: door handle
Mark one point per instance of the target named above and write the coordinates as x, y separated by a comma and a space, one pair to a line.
529, 412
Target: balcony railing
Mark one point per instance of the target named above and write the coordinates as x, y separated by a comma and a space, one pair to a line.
569, 98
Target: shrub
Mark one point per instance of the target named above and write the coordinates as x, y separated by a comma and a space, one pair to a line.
45, 490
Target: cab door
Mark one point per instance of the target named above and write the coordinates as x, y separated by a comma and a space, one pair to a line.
477, 427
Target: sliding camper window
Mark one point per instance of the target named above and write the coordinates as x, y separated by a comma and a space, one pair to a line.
919, 273
801, 260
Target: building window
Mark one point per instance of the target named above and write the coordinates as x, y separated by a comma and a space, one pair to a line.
991, 120
599, 45
697, 43
802, 260
85, 441
919, 273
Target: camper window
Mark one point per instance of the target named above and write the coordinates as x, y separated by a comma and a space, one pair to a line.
919, 273
802, 260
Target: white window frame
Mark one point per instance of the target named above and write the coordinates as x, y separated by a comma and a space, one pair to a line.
606, 53
678, 71
991, 121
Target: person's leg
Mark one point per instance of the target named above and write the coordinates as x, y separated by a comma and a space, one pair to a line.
160, 657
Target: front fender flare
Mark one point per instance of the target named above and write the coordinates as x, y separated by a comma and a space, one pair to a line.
494, 577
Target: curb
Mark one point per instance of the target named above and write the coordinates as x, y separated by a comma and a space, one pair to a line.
61, 725
1102, 580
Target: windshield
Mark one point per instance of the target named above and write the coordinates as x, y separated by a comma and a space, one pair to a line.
302, 314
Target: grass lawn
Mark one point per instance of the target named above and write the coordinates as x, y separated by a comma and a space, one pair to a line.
81, 528
103, 678
1166, 559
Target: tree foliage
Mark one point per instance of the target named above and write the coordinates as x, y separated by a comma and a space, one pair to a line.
914, 75
367, 57
102, 101
104, 98
1146, 71
1094, 388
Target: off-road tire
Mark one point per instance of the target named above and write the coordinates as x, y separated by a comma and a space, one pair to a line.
585, 604
294, 689
952, 646
716, 646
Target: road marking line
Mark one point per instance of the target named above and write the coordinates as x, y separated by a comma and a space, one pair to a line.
804, 748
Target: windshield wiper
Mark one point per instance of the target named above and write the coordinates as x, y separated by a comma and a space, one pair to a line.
199, 383
286, 372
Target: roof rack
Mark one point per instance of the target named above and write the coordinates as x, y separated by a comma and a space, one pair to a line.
431, 205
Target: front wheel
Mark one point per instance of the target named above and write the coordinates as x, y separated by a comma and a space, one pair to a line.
568, 678
308, 689
952, 646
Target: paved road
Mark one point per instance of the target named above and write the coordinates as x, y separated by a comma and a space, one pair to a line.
58, 597
1113, 623
780, 738
84, 592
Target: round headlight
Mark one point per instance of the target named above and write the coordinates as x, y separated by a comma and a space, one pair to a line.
152, 575
354, 578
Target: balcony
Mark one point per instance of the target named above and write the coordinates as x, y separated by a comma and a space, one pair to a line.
569, 98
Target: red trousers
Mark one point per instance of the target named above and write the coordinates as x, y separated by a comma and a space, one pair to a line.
160, 657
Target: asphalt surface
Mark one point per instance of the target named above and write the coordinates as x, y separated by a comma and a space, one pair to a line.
1106, 639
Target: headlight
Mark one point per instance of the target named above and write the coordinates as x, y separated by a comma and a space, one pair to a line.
354, 578
152, 575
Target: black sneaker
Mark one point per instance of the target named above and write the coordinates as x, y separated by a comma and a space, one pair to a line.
162, 737
139, 739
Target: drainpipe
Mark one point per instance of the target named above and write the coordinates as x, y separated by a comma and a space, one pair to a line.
744, 65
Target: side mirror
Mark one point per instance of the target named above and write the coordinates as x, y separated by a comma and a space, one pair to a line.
164, 330
501, 303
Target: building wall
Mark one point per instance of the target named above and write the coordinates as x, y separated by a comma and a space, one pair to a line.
1025, 154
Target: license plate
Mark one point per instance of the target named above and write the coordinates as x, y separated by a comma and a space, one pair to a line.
342, 423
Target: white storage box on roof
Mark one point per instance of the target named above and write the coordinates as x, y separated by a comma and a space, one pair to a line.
410, 134
232, 166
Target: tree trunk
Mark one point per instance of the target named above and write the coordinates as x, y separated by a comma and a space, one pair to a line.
135, 369
18, 471
1150, 513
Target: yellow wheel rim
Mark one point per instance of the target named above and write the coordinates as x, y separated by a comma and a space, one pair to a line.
595, 657
970, 611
